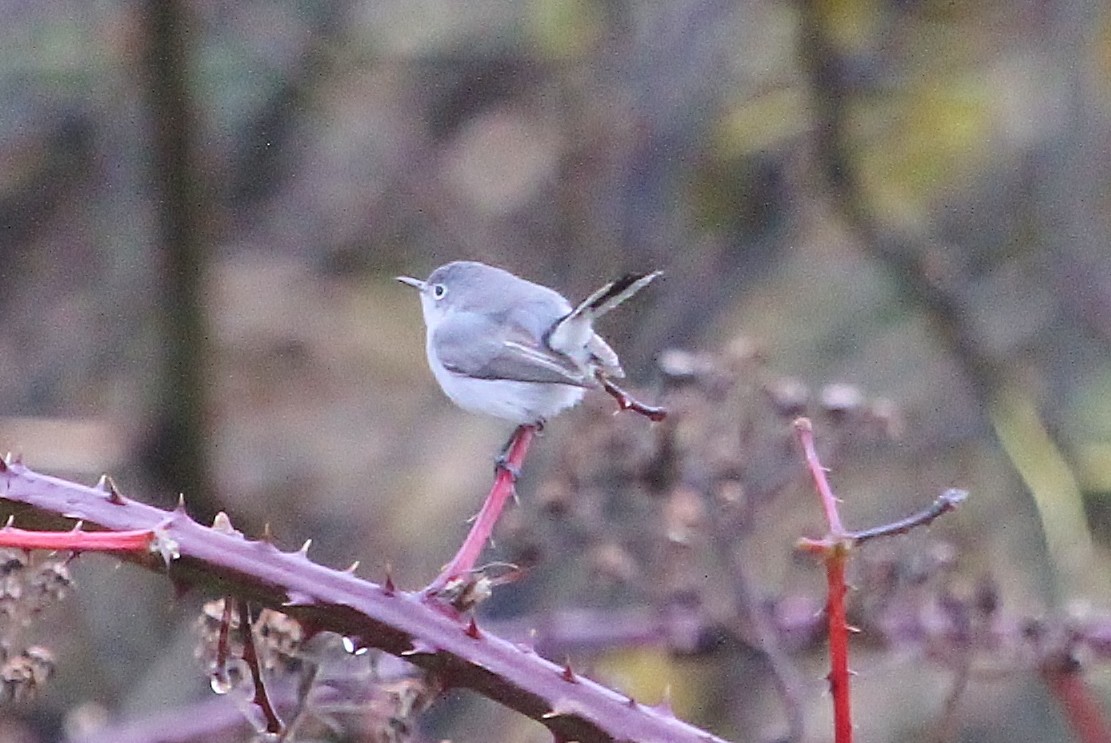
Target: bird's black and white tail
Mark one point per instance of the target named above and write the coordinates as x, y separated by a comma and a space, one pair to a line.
612, 294
574, 334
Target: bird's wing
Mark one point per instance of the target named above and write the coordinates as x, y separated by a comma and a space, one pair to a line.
495, 348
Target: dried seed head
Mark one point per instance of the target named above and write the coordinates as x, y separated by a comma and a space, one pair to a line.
11, 591
279, 641
12, 561
391, 712
613, 564
684, 512
22, 676
789, 397
51, 582
841, 400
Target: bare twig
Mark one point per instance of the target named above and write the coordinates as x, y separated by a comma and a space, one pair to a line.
946, 502
250, 656
834, 549
626, 401
1083, 711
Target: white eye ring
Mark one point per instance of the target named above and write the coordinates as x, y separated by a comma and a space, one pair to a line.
438, 291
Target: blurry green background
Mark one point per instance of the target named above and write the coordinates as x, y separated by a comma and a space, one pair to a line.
202, 206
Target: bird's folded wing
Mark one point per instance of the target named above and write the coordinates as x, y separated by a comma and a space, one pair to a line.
483, 349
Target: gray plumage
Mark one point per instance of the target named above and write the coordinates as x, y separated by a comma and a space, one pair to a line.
507, 347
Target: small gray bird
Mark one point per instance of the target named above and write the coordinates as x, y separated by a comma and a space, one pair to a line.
506, 347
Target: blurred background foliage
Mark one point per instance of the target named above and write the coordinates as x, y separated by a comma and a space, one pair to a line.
202, 206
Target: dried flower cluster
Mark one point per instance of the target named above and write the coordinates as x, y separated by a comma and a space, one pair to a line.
26, 589
325, 687
655, 509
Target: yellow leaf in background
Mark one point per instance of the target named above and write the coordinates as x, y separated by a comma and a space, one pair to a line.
1045, 472
650, 676
759, 124
565, 28
851, 24
918, 142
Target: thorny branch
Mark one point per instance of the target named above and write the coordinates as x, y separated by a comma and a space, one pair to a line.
454, 650
835, 549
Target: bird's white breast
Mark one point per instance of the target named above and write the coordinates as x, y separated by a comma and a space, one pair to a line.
517, 402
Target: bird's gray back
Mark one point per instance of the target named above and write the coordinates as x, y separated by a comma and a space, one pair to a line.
494, 292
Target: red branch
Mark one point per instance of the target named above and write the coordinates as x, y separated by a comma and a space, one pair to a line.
835, 550
1082, 710
838, 646
504, 481
136, 541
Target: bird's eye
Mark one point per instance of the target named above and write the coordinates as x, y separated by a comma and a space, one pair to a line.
438, 291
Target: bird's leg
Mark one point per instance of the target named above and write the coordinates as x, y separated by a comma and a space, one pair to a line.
502, 462
625, 401
509, 467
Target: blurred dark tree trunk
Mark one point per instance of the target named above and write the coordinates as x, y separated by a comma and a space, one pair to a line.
174, 451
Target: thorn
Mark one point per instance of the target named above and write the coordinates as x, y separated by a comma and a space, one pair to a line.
304, 551
13, 459
388, 587
108, 486
853, 629
267, 533
352, 568
180, 508
78, 525
567, 674
472, 630
222, 523
419, 647
10, 521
